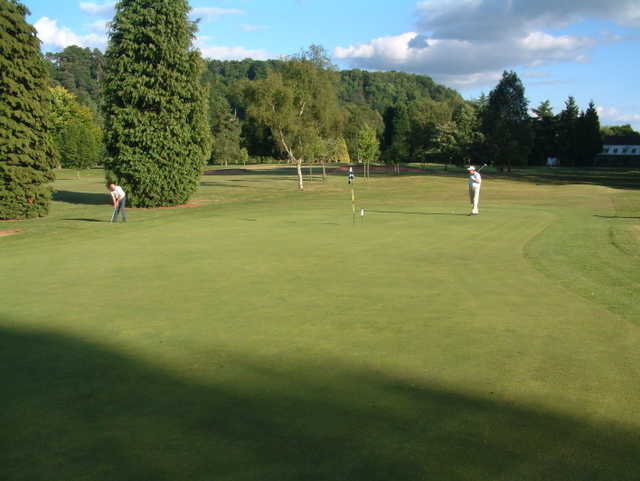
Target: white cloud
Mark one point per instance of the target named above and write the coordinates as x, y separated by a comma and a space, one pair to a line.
99, 27
613, 116
462, 63
60, 37
253, 28
470, 42
105, 10
220, 52
213, 13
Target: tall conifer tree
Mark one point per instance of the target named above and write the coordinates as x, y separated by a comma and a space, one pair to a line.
26, 156
157, 137
506, 124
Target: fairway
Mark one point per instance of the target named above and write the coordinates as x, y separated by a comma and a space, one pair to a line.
261, 334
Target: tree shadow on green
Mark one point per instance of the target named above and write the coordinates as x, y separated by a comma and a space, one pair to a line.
613, 178
83, 198
221, 184
74, 410
412, 213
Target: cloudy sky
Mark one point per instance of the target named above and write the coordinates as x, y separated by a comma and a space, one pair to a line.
585, 48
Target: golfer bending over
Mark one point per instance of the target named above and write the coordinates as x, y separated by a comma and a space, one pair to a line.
119, 200
475, 180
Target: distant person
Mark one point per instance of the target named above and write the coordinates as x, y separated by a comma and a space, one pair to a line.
351, 175
475, 180
119, 200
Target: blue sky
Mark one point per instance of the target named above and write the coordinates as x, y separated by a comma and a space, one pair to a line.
584, 48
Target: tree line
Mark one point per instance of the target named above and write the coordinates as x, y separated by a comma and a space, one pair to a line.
413, 118
153, 112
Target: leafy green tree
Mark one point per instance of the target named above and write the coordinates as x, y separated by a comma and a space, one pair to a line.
341, 153
227, 141
27, 158
428, 118
368, 145
226, 129
357, 116
299, 105
620, 130
157, 138
505, 123
79, 70
468, 137
75, 131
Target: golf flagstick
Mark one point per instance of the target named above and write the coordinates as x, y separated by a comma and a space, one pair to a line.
353, 204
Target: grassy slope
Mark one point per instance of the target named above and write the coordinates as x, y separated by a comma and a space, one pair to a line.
263, 336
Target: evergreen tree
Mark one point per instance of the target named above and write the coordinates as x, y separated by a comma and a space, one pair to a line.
398, 135
568, 138
157, 138
506, 124
590, 138
545, 131
26, 156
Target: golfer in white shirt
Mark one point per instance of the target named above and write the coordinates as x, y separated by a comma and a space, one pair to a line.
475, 180
119, 200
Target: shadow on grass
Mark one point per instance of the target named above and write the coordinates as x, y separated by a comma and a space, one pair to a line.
412, 213
86, 220
613, 178
84, 198
616, 217
74, 410
222, 184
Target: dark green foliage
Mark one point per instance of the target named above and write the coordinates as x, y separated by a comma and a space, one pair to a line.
397, 135
75, 131
226, 141
26, 156
568, 132
371, 98
545, 129
157, 138
620, 130
79, 70
506, 123
589, 136
382, 90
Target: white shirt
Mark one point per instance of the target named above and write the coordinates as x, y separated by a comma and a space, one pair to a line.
117, 193
475, 179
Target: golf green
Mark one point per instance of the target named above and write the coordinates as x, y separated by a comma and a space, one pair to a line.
266, 334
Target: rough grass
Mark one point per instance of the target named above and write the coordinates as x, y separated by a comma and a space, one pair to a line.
262, 336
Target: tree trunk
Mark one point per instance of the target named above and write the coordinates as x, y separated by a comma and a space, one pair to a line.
324, 173
300, 180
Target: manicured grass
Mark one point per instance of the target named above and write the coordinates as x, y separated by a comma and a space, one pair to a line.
262, 336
